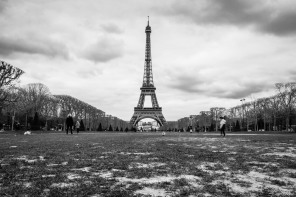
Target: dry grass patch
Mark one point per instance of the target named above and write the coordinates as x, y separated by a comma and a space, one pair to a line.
133, 164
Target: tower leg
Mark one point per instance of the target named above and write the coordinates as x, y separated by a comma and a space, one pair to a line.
141, 101
154, 100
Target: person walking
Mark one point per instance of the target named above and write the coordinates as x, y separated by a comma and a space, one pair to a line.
77, 125
222, 125
69, 123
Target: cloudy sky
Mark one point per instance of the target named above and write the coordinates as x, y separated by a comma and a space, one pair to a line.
205, 53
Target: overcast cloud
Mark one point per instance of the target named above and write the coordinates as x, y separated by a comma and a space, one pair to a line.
104, 50
274, 17
32, 45
205, 53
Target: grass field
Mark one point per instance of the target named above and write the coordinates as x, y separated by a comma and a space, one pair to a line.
147, 164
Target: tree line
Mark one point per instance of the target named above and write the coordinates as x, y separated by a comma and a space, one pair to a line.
277, 112
34, 107
274, 113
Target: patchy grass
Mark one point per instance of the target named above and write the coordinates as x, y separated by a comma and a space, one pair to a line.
147, 164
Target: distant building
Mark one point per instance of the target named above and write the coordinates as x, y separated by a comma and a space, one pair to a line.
147, 126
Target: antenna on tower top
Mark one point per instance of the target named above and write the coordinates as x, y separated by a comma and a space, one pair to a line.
148, 20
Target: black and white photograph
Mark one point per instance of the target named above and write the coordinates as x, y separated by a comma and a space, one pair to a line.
148, 98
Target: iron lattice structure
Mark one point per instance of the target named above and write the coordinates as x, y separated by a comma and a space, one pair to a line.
148, 89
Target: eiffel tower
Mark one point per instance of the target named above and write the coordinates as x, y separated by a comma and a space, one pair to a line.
148, 89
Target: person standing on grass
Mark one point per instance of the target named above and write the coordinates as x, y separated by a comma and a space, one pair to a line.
222, 125
69, 123
77, 125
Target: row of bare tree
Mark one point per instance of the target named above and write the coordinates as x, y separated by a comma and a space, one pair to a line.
17, 102
277, 112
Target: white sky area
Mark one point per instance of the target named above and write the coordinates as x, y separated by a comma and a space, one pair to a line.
205, 53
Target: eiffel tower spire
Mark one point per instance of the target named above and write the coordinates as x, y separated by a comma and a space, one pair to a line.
148, 76
148, 89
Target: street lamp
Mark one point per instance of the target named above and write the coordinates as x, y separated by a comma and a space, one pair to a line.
243, 100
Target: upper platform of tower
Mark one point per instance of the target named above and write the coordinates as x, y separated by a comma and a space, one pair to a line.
148, 28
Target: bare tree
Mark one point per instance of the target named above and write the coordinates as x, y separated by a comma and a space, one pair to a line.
8, 76
245, 112
264, 108
24, 104
286, 94
275, 107
253, 113
205, 119
49, 109
12, 103
231, 114
36, 95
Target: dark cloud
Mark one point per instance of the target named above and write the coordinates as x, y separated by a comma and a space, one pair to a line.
3, 4
283, 24
254, 14
186, 83
244, 90
217, 12
104, 50
227, 89
32, 45
111, 28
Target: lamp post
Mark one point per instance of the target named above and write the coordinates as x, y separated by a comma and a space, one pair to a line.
242, 100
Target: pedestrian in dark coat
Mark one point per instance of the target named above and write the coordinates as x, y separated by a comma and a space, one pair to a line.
69, 124
222, 125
